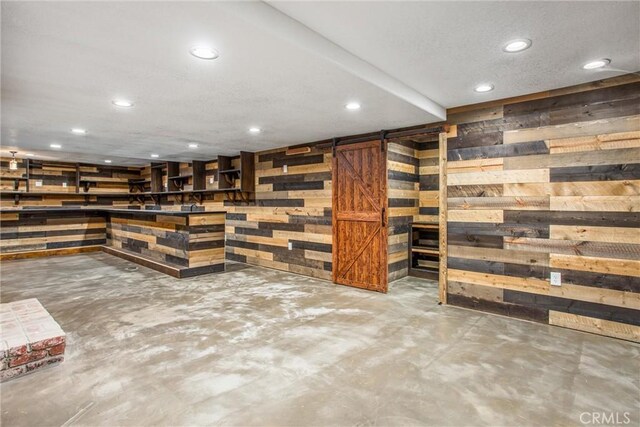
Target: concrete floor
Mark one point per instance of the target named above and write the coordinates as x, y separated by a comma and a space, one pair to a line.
262, 347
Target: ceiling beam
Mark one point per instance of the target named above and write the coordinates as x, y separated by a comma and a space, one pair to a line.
282, 25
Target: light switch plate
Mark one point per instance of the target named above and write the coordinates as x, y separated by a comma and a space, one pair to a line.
284, 169
556, 279
39, 183
290, 245
211, 180
64, 185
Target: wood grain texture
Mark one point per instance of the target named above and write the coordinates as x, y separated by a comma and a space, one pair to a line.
595, 325
518, 212
359, 220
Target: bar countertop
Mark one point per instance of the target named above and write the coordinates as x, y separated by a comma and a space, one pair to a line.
108, 210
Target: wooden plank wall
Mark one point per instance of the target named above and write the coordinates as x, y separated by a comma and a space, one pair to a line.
291, 208
114, 179
21, 232
549, 183
191, 245
403, 194
427, 153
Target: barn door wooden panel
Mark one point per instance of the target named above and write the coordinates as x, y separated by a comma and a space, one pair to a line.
359, 216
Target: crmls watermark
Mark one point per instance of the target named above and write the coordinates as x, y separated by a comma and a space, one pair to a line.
605, 418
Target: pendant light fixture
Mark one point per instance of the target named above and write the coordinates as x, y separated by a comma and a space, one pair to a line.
13, 164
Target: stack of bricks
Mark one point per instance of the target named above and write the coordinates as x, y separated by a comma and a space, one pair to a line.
29, 338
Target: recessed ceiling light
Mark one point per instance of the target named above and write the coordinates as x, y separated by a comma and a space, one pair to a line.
352, 106
599, 63
55, 146
125, 103
204, 52
107, 161
30, 154
155, 156
79, 131
255, 130
193, 145
484, 88
517, 45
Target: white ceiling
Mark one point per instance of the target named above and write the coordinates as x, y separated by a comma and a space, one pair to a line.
444, 49
63, 63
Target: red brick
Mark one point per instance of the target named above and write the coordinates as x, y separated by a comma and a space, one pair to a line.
57, 349
12, 372
44, 362
26, 358
18, 351
49, 342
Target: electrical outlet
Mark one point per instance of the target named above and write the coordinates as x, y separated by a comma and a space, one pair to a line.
290, 245
64, 185
284, 168
39, 183
556, 278
211, 180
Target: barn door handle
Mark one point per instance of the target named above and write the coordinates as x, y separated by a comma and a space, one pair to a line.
382, 216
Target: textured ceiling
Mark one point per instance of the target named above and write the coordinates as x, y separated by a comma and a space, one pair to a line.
445, 48
63, 62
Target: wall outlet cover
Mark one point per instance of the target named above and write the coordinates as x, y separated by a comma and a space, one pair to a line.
38, 183
556, 279
64, 185
290, 245
211, 180
284, 169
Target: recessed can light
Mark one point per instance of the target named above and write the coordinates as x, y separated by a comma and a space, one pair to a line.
517, 45
79, 131
255, 130
55, 146
107, 161
484, 88
599, 63
193, 145
204, 52
125, 103
155, 156
352, 106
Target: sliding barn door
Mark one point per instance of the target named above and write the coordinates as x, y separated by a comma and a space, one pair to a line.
359, 216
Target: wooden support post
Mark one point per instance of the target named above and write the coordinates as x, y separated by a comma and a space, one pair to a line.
442, 205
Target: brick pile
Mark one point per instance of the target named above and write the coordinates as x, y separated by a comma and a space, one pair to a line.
29, 338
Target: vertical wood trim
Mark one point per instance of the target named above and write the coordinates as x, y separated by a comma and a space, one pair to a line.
442, 207
334, 219
384, 224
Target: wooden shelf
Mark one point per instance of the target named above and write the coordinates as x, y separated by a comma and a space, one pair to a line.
18, 178
424, 254
425, 250
425, 225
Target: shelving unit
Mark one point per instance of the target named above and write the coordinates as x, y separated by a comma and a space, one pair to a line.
237, 184
424, 250
241, 179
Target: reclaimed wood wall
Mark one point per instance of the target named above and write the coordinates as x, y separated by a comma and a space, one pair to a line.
182, 246
403, 183
35, 231
59, 179
292, 208
549, 183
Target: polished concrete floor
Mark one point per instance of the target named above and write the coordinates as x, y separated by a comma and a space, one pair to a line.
261, 347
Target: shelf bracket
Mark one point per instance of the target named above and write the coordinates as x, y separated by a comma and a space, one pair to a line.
198, 197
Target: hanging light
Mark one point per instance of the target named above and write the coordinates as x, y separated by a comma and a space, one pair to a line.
13, 164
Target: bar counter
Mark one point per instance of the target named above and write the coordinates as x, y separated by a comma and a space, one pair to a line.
179, 243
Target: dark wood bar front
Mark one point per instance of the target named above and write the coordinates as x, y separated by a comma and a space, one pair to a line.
178, 243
